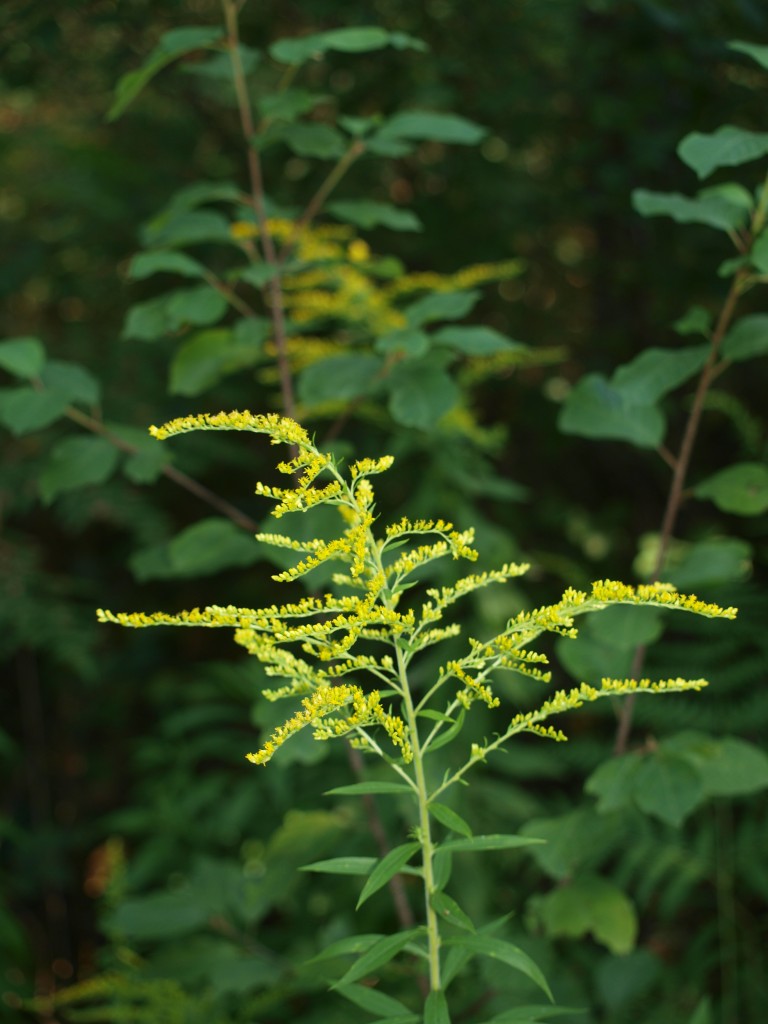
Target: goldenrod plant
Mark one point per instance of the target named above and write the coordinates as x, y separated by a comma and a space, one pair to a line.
353, 678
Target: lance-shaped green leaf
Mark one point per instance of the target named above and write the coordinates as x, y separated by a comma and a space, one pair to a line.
450, 911
441, 306
349, 946
374, 1001
362, 788
477, 340
23, 357
729, 146
450, 733
753, 50
449, 818
171, 45
436, 1009
387, 868
480, 844
430, 126
741, 489
506, 952
342, 866
379, 954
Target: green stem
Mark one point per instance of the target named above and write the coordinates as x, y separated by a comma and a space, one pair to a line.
425, 833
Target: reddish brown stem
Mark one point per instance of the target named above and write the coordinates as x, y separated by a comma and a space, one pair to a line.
675, 497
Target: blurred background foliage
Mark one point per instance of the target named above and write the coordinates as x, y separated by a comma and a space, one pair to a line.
136, 848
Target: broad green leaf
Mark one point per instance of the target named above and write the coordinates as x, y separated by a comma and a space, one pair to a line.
476, 341
76, 462
667, 788
436, 1009
747, 338
657, 371
368, 214
311, 139
406, 342
727, 766
372, 1000
164, 261
23, 410
198, 193
421, 394
23, 357
345, 40
289, 104
339, 379
572, 841
714, 211
205, 358
707, 562
71, 381
479, 844
498, 949
758, 255
169, 313
386, 868
259, 274
361, 788
729, 146
450, 911
342, 866
432, 126
595, 408
696, 320
613, 783
217, 67
147, 462
736, 769
379, 954
450, 819
756, 52
178, 228
741, 489
590, 905
441, 306
171, 45
205, 547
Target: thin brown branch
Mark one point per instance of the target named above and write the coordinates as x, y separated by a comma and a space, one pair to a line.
182, 479
315, 205
676, 490
248, 127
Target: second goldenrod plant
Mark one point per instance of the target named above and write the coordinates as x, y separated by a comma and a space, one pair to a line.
347, 657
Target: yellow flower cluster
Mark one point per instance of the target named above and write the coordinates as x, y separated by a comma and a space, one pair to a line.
473, 689
281, 429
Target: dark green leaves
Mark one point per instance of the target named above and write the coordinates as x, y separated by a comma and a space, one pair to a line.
624, 408
741, 489
206, 547
345, 40
368, 214
166, 314
205, 358
729, 146
713, 210
164, 261
342, 866
23, 357
450, 819
476, 340
380, 953
747, 338
498, 949
436, 1009
421, 392
171, 45
431, 126
76, 462
450, 911
590, 905
340, 378
441, 306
